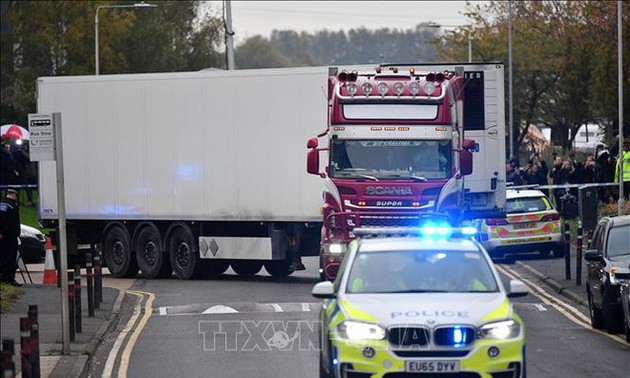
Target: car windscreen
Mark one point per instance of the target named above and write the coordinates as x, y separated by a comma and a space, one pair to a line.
420, 271
525, 205
618, 241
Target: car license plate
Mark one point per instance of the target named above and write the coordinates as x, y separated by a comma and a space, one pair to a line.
428, 366
524, 226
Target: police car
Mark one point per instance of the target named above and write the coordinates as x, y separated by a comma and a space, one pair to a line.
429, 304
532, 224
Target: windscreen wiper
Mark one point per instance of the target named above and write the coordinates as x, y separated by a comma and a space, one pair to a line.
414, 177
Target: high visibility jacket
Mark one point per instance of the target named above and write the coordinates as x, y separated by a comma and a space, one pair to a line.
626, 167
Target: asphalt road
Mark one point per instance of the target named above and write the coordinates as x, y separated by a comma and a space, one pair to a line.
265, 327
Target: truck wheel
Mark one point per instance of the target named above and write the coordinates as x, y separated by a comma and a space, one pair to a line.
213, 268
280, 268
597, 321
182, 251
247, 268
117, 253
152, 260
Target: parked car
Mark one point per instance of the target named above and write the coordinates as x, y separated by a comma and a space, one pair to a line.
32, 244
608, 252
532, 224
623, 275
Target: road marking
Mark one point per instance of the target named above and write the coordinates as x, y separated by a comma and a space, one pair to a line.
198, 309
111, 358
220, 309
564, 308
277, 307
148, 309
540, 307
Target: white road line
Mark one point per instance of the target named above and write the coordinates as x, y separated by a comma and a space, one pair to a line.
220, 309
540, 307
543, 292
162, 310
277, 307
305, 307
111, 358
564, 308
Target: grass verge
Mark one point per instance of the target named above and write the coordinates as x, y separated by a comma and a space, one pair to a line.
8, 295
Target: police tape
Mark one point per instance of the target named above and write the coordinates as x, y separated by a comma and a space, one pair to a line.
565, 186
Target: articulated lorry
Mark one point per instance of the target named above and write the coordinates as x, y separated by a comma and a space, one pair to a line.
404, 141
188, 172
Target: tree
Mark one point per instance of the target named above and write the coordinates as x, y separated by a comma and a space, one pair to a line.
46, 38
564, 56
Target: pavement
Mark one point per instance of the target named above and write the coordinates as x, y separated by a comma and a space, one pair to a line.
48, 300
551, 271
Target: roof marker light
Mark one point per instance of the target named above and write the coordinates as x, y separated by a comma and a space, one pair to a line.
352, 89
382, 88
414, 88
367, 88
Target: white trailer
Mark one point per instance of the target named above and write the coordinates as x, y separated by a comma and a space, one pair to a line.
188, 172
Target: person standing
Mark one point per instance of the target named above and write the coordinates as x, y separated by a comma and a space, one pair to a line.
22, 164
557, 178
625, 169
9, 234
9, 173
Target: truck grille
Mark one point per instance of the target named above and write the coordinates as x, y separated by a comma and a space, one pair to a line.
389, 221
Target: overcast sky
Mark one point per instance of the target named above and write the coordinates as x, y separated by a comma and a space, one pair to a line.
261, 17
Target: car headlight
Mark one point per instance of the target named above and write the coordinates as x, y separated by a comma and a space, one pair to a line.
360, 331
507, 329
336, 248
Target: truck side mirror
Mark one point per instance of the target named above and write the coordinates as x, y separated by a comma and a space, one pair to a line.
468, 144
466, 162
312, 161
312, 143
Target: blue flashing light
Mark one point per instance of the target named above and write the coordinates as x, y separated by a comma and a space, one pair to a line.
459, 337
440, 230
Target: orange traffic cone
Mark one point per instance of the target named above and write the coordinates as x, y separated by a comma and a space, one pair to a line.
50, 274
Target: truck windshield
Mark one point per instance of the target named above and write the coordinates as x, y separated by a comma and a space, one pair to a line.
390, 159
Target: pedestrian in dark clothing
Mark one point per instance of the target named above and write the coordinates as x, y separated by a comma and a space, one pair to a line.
9, 234
603, 167
571, 176
22, 164
557, 178
9, 173
537, 172
588, 173
512, 174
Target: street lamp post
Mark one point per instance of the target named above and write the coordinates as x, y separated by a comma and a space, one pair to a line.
137, 5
